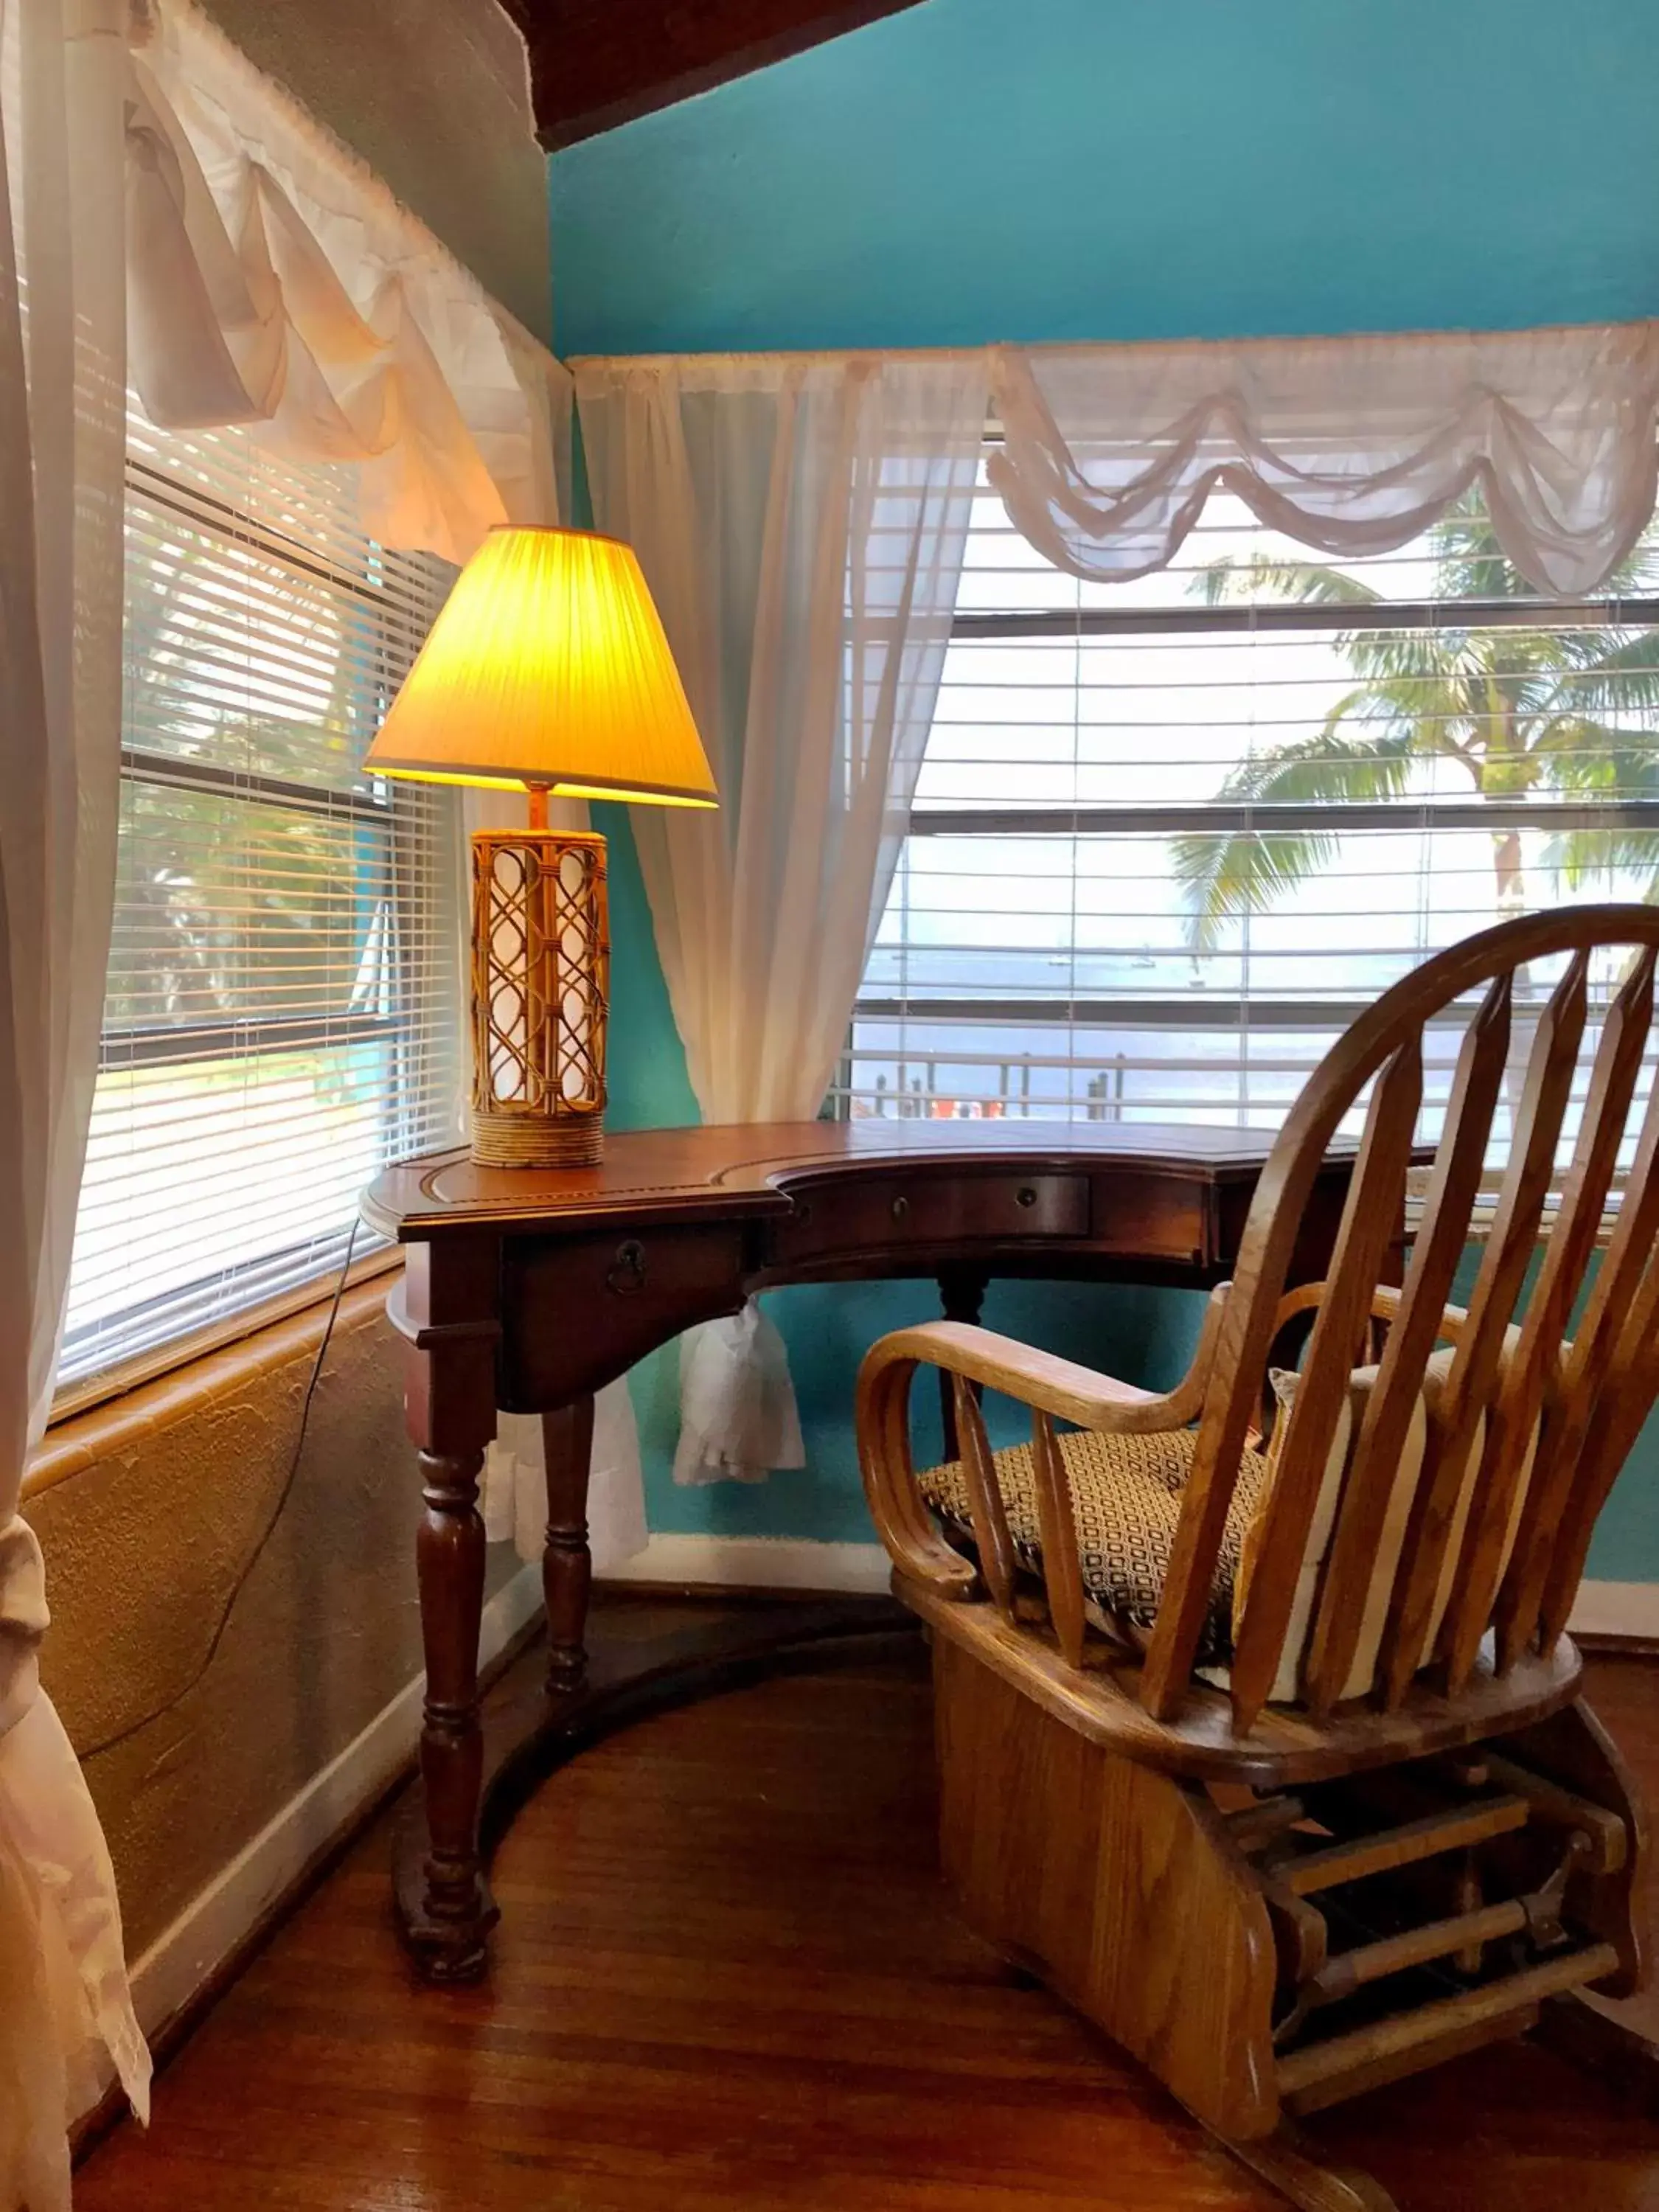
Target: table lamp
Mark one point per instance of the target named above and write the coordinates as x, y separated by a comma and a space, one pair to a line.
547, 669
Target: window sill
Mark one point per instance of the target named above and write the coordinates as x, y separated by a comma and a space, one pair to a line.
98, 1416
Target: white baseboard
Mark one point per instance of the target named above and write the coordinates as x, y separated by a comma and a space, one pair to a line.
797, 1563
182, 1960
758, 1563
1616, 1609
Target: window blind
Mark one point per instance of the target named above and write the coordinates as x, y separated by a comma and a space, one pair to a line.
1171, 836
280, 1016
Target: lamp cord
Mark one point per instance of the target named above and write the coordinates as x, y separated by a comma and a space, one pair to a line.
121, 1736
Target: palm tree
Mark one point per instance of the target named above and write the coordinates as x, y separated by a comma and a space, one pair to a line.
1571, 712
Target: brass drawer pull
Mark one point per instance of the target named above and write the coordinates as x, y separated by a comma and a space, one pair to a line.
900, 1208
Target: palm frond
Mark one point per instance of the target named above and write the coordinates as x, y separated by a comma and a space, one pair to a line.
1404, 656
1608, 766
1405, 717
1230, 582
1615, 673
1325, 770
1226, 876
1581, 857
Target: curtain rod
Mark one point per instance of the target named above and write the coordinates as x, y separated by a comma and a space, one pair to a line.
992, 347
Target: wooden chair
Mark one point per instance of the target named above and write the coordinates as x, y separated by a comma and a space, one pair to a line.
1270, 1755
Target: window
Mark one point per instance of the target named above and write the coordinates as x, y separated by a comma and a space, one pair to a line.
1171, 836
280, 1010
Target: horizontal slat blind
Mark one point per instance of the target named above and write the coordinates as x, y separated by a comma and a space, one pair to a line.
280, 1013
1171, 835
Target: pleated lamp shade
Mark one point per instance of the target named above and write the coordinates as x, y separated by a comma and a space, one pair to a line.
549, 667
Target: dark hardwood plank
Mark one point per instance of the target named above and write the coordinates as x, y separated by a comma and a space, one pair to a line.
644, 1658
728, 1977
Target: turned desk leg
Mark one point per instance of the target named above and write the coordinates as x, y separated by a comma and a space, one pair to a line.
566, 1563
445, 1309
450, 1566
962, 1298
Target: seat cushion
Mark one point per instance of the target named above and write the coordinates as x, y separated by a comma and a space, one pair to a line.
1126, 1496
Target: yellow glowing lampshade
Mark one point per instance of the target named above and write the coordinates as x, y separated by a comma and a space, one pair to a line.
549, 668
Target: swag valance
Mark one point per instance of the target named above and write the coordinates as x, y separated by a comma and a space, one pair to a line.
1104, 455
272, 280
1351, 445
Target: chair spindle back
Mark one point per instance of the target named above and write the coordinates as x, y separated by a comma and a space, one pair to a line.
1527, 1420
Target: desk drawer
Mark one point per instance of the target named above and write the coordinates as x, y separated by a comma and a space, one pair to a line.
891, 1213
578, 1310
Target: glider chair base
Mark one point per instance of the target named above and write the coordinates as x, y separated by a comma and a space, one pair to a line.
1266, 1950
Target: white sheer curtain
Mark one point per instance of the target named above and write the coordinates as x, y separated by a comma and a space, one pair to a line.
275, 281
64, 1997
1353, 445
802, 523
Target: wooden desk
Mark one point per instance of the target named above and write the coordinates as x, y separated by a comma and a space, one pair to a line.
528, 1289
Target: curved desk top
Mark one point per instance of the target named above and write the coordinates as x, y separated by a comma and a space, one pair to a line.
750, 1169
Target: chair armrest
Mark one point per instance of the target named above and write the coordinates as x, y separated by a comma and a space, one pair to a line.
1039, 1379
1057, 1388
1386, 1302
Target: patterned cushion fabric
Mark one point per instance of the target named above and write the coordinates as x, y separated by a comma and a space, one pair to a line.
1125, 1495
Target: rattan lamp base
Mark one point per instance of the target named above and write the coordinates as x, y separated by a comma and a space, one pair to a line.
541, 960
531, 1140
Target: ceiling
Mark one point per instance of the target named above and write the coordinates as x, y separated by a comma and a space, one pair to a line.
594, 63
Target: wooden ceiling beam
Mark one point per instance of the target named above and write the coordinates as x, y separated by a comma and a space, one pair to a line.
594, 63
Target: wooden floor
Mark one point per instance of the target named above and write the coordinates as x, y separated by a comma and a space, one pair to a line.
728, 1977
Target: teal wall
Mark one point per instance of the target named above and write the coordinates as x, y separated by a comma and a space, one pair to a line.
978, 169
1069, 169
